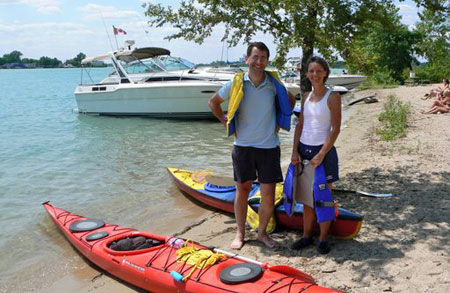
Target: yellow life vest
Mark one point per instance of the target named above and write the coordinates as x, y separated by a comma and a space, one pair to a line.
253, 217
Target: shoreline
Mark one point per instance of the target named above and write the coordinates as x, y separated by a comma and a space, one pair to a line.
403, 245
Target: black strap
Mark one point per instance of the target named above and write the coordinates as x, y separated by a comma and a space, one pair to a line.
324, 204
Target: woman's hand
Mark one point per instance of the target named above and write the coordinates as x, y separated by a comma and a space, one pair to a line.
295, 159
317, 160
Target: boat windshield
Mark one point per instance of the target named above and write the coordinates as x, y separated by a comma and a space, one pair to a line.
157, 64
170, 63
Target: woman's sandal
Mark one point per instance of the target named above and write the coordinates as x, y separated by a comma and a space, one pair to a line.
323, 247
302, 243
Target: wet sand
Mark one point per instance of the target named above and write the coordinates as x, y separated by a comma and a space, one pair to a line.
403, 245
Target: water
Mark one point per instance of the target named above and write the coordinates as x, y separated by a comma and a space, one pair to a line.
107, 167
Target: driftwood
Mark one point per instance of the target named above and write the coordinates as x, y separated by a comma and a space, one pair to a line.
368, 99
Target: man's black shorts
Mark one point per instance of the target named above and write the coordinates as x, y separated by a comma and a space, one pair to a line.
250, 163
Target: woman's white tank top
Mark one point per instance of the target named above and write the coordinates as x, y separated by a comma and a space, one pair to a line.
316, 121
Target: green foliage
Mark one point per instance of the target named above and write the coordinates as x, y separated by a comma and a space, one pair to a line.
338, 64
44, 61
48, 62
76, 62
434, 72
435, 46
375, 83
383, 51
394, 119
13, 57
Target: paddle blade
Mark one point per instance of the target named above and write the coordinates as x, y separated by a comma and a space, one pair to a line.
290, 271
364, 193
374, 194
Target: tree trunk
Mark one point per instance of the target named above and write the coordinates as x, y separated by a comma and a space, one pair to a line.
308, 50
305, 84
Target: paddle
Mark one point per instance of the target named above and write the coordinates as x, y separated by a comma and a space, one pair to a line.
364, 193
283, 269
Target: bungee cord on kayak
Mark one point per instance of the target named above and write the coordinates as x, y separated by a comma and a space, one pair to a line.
197, 258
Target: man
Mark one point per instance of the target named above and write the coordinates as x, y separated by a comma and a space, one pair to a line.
258, 105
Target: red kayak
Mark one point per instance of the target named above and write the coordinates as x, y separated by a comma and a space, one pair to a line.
167, 264
346, 225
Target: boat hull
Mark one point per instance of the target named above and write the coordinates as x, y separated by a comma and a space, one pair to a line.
151, 268
184, 99
348, 81
347, 224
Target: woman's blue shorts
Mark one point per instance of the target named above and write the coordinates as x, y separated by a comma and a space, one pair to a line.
330, 162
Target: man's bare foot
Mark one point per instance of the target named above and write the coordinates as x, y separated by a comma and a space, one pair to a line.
267, 241
237, 243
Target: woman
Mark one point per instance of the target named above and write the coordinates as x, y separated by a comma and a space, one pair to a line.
438, 91
318, 127
441, 105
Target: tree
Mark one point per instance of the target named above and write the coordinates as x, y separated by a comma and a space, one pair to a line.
13, 57
327, 26
29, 60
77, 60
48, 62
435, 47
383, 51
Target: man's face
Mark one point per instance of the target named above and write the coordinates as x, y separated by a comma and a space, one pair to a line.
257, 60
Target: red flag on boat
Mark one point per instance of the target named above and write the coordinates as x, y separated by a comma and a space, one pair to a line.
119, 31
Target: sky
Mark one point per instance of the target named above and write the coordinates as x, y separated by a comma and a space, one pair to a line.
62, 29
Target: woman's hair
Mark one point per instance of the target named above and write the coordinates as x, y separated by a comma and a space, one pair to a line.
446, 80
322, 62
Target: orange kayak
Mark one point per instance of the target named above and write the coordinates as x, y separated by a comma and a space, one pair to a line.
165, 264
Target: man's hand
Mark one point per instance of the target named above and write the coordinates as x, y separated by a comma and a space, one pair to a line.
224, 120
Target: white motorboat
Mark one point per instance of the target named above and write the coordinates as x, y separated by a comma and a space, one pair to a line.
147, 81
349, 81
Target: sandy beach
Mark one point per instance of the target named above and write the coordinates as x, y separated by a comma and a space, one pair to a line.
403, 245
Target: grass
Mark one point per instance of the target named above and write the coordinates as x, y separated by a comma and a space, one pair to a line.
370, 83
394, 119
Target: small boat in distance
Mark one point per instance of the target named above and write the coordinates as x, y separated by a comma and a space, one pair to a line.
349, 81
148, 81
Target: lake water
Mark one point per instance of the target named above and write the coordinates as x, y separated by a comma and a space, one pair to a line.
107, 167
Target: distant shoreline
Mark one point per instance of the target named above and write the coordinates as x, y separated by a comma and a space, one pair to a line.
57, 67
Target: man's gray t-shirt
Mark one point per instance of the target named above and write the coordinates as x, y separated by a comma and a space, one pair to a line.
255, 119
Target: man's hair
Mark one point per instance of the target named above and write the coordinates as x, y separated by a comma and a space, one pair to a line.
260, 45
322, 62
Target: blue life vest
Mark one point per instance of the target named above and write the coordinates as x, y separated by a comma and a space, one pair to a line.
289, 190
323, 199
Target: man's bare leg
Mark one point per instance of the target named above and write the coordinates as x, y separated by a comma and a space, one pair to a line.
265, 212
240, 212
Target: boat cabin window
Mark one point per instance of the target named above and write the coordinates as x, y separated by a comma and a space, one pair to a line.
141, 67
170, 63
